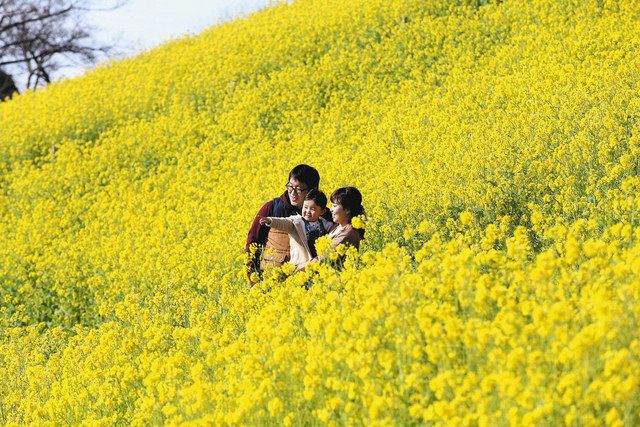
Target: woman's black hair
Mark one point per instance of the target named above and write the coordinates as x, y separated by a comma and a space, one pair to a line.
318, 197
351, 201
306, 174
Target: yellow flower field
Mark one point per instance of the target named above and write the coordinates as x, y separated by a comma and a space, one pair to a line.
497, 147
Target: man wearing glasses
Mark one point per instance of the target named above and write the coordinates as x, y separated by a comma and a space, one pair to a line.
269, 247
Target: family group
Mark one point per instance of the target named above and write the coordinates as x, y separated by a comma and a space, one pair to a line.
286, 228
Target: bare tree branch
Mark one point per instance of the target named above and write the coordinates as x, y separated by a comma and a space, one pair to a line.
27, 21
117, 5
39, 37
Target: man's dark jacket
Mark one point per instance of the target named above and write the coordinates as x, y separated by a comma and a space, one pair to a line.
279, 207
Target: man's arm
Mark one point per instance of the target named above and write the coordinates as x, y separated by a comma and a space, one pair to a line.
256, 238
258, 233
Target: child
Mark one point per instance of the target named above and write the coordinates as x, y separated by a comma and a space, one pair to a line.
303, 229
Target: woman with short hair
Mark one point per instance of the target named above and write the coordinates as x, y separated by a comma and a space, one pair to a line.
346, 204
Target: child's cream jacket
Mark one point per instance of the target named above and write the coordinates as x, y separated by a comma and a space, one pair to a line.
298, 245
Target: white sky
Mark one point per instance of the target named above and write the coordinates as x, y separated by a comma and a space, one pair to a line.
143, 24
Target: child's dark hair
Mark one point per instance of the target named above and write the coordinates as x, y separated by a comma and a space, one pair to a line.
306, 174
351, 201
318, 197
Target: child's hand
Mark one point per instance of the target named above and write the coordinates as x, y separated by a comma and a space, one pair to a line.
265, 221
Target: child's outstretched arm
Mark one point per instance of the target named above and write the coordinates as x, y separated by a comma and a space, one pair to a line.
283, 224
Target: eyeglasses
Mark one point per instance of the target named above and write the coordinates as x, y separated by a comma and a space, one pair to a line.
297, 190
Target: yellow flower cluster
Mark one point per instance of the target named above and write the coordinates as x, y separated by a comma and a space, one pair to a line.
497, 146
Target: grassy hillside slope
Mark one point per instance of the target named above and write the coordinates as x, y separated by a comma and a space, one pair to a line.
497, 148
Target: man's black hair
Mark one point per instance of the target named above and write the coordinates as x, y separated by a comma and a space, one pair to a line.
306, 174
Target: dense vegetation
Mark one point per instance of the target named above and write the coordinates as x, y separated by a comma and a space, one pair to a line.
497, 147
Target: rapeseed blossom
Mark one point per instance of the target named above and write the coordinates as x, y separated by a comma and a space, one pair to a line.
496, 144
